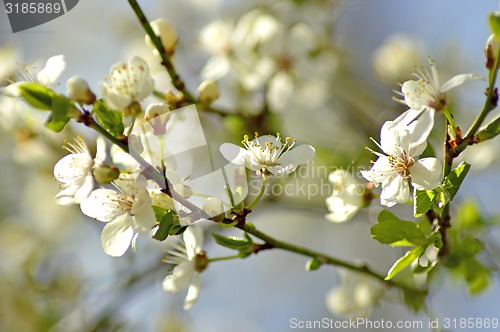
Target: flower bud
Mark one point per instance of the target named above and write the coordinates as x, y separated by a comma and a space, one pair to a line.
106, 174
162, 200
214, 208
157, 116
491, 51
208, 92
79, 91
166, 32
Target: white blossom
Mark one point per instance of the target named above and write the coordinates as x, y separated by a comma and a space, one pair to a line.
355, 296
426, 92
167, 34
401, 141
46, 77
75, 171
127, 83
127, 212
185, 274
347, 197
268, 153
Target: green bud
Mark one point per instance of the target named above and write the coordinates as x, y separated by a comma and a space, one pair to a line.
106, 174
494, 23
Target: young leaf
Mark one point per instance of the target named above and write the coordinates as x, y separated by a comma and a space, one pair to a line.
313, 264
423, 200
60, 107
494, 23
453, 181
491, 130
405, 261
37, 95
110, 120
233, 242
396, 232
165, 224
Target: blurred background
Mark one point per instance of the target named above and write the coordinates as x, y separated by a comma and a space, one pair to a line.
321, 71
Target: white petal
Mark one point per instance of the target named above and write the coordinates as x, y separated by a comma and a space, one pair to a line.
395, 191
426, 174
12, 90
73, 167
281, 170
53, 69
216, 67
380, 171
419, 123
394, 139
343, 207
299, 155
459, 80
193, 238
116, 236
100, 156
180, 278
145, 219
280, 91
193, 292
233, 153
103, 205
116, 101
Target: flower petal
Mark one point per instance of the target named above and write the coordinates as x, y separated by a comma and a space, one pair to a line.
193, 292
299, 155
380, 171
103, 205
394, 140
116, 236
234, 153
395, 191
180, 278
459, 80
53, 69
100, 155
426, 174
193, 238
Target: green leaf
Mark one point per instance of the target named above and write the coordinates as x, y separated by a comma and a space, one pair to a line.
233, 242
494, 23
396, 232
469, 216
60, 107
423, 201
476, 275
37, 95
413, 299
491, 130
313, 264
405, 261
110, 120
176, 228
453, 180
165, 225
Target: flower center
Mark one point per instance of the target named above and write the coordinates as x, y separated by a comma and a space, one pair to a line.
401, 164
268, 153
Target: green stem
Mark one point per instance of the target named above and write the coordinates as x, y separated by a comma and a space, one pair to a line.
326, 259
261, 192
177, 82
94, 125
489, 104
225, 258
